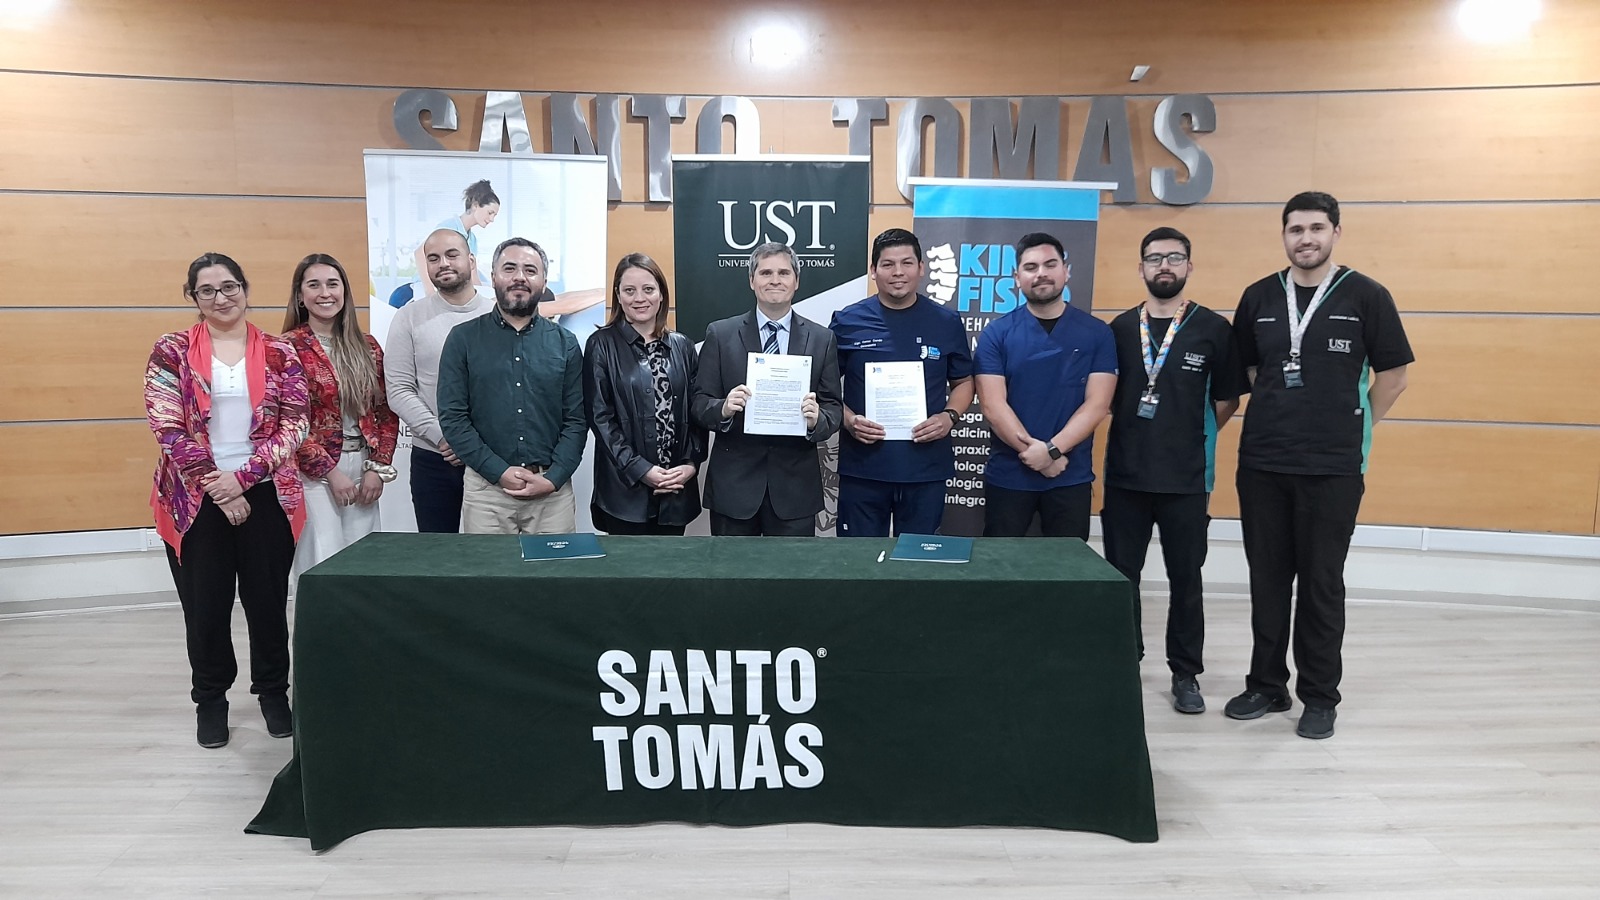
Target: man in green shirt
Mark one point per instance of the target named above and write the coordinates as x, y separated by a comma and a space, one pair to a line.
511, 404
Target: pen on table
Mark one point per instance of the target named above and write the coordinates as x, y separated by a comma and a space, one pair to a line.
880, 555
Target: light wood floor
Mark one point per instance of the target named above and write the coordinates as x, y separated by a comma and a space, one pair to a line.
1466, 765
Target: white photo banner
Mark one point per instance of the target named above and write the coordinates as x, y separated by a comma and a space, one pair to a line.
558, 202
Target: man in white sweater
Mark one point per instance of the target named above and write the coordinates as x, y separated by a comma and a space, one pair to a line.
411, 366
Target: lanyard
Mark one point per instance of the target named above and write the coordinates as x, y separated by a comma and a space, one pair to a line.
1154, 362
1298, 323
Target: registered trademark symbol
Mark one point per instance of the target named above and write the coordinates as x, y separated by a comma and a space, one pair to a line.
830, 246
821, 652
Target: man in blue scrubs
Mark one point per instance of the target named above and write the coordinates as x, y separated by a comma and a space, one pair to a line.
884, 478
1046, 375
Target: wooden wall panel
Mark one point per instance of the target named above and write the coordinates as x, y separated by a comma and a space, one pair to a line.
1503, 369
86, 365
1479, 476
1459, 145
1512, 258
147, 132
851, 48
1496, 478
1542, 479
185, 137
75, 476
141, 247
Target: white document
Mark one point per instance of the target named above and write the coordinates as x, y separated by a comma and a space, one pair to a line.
778, 385
897, 397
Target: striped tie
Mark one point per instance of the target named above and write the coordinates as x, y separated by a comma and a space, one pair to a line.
771, 346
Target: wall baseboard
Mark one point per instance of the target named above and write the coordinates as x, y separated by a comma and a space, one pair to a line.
128, 565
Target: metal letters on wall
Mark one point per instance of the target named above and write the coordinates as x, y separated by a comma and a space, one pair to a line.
946, 141
746, 126
1170, 113
1000, 144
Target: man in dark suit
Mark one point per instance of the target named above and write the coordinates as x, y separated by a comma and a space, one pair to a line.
760, 484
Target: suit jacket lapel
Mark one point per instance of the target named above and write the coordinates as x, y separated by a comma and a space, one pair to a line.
749, 334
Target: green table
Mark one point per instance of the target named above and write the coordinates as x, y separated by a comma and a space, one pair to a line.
441, 681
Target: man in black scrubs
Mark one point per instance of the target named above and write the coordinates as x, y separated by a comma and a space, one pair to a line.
1327, 358
1180, 383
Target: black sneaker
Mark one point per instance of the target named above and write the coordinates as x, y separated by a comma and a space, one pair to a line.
275, 709
1254, 704
211, 724
1186, 695
1316, 722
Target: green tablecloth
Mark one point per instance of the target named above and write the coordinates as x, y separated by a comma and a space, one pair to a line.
441, 681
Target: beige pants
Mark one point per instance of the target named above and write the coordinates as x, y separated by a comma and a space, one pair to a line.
486, 509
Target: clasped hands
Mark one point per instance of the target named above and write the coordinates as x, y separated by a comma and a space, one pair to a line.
525, 484
225, 491
1036, 456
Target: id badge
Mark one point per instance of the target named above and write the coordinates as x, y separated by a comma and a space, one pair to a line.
1148, 404
1291, 375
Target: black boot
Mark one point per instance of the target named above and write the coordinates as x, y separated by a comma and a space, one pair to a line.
211, 723
275, 709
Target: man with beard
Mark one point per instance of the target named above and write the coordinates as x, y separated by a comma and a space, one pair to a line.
511, 404
765, 484
1046, 375
900, 478
1162, 447
411, 369
1308, 336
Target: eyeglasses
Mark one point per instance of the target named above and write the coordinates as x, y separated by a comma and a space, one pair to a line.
1172, 259
226, 289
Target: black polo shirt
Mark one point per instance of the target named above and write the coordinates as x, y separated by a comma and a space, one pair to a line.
1175, 452
1324, 427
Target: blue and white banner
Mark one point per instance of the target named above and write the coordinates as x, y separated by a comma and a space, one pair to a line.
969, 229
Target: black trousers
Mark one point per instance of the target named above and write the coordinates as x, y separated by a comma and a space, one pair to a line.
436, 491
612, 525
1062, 511
766, 521
1297, 528
252, 559
1127, 519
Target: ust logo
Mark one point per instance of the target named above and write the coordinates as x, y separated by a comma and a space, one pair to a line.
1339, 345
775, 220
978, 277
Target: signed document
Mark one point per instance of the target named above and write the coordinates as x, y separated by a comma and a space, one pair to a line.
897, 397
778, 385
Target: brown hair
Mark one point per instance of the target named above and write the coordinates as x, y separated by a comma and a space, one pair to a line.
640, 261
352, 360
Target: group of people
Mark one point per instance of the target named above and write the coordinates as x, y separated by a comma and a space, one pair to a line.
264, 437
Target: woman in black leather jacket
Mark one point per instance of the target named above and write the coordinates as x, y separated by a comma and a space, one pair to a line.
637, 377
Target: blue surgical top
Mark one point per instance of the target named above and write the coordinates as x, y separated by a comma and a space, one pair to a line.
869, 332
1046, 376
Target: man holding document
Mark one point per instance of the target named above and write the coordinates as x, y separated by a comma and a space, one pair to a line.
768, 390
907, 380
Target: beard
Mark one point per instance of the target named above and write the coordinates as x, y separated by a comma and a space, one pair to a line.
448, 281
1043, 295
1316, 260
510, 308
1165, 290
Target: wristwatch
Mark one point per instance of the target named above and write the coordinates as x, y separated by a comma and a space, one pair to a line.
955, 417
1055, 452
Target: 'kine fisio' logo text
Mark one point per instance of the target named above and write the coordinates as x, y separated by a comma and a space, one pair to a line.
980, 278
688, 688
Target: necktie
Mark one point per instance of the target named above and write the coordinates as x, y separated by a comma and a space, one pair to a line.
771, 345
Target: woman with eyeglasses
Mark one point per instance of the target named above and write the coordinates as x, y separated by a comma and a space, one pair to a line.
637, 377
348, 456
227, 403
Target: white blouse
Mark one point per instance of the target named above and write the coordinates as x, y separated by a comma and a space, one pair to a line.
229, 428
